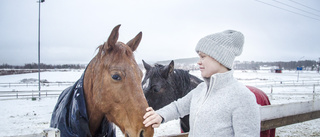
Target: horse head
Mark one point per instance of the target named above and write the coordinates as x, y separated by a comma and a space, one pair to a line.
112, 86
158, 86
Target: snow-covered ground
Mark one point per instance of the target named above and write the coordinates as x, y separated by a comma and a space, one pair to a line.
25, 117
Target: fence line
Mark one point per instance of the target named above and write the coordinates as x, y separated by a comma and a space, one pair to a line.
16, 84
7, 95
17, 94
282, 82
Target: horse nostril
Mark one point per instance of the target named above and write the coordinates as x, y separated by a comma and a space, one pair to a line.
141, 133
127, 135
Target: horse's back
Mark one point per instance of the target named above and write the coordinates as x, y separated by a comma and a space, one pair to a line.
261, 97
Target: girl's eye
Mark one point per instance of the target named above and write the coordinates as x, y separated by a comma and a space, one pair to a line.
116, 77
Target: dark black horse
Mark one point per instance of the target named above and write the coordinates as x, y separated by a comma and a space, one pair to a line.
164, 84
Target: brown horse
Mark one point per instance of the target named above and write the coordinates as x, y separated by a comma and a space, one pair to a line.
112, 89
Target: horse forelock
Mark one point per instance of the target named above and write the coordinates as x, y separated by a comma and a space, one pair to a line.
115, 53
177, 79
180, 78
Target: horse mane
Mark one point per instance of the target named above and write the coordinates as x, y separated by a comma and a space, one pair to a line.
117, 51
180, 79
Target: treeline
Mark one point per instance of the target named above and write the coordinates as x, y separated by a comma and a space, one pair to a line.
246, 65
291, 65
42, 66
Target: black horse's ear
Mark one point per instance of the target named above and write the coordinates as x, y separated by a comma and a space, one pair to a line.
167, 70
146, 66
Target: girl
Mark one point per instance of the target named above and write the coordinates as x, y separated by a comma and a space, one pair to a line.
220, 106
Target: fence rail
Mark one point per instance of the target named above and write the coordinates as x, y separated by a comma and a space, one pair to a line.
15, 84
280, 83
7, 95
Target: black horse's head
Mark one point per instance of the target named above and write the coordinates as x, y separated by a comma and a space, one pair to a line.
156, 87
164, 84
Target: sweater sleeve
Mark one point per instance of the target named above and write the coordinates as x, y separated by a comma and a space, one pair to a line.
246, 119
176, 109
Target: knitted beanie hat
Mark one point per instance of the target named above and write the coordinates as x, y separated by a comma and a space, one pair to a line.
223, 46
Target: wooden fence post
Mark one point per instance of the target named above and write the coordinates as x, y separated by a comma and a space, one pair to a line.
271, 92
51, 132
314, 91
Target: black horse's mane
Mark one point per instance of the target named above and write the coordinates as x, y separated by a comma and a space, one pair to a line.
180, 79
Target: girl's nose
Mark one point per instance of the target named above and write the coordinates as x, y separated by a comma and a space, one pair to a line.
199, 62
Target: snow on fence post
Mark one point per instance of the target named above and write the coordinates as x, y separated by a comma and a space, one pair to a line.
314, 91
51, 132
271, 92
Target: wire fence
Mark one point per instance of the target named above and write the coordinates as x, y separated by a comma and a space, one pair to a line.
288, 88
8, 95
28, 91
58, 84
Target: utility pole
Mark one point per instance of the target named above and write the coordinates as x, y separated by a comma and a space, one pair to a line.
40, 1
319, 65
299, 68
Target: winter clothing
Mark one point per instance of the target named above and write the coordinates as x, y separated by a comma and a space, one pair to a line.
220, 106
223, 46
70, 115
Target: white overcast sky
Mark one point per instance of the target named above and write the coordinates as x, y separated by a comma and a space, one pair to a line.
71, 30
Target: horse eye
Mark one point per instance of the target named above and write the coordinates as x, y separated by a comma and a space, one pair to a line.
116, 77
155, 90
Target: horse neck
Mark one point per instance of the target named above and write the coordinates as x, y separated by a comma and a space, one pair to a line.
94, 115
181, 82
194, 81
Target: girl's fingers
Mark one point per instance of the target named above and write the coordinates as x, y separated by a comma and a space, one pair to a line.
150, 120
150, 111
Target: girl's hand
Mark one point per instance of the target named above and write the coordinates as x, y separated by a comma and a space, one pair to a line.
152, 118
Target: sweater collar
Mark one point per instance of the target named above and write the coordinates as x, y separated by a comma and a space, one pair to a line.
219, 80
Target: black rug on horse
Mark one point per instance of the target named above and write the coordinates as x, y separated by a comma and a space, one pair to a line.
70, 115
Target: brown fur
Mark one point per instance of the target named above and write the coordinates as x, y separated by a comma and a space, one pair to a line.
120, 101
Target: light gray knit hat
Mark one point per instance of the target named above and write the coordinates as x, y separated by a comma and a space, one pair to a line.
223, 46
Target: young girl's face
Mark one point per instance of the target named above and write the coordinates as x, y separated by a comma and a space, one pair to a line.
209, 66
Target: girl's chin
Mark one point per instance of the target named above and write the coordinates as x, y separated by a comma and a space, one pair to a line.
205, 76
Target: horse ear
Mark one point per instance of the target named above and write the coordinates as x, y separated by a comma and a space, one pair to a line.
134, 43
146, 66
113, 38
168, 69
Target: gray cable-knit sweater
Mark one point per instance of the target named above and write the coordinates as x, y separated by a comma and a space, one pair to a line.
220, 106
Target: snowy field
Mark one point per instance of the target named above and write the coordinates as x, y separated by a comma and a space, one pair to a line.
27, 117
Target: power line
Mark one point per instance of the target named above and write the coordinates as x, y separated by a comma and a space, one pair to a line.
288, 10
296, 8
305, 6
